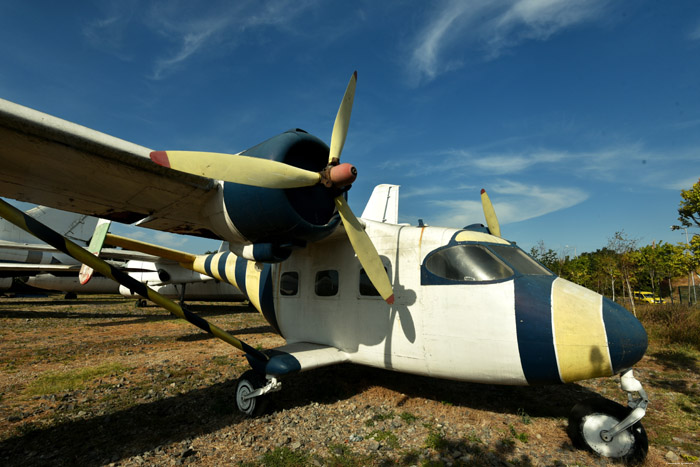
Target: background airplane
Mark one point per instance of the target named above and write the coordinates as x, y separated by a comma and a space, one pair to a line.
22, 256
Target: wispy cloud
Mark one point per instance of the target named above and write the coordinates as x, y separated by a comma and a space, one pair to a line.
489, 28
514, 202
185, 30
694, 35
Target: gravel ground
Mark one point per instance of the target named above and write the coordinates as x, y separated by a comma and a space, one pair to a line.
100, 382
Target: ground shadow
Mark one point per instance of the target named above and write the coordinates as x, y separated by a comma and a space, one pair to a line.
331, 384
149, 426
130, 432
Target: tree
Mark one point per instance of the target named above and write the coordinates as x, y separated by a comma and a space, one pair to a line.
648, 258
689, 210
546, 256
625, 248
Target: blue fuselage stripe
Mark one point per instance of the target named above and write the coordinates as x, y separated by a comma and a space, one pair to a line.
533, 315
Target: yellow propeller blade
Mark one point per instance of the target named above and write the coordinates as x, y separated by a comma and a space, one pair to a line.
366, 253
490, 214
342, 121
237, 168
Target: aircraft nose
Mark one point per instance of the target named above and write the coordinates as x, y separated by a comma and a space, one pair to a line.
627, 339
569, 333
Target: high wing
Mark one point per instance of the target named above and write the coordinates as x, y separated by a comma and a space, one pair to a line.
47, 160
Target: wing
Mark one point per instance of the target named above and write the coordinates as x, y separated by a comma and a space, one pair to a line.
49, 161
23, 269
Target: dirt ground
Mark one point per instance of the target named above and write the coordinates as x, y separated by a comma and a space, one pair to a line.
97, 381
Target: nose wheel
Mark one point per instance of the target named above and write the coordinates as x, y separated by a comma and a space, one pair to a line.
610, 429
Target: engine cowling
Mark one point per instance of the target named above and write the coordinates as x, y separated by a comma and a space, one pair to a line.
276, 221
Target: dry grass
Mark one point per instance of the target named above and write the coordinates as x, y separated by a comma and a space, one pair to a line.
671, 323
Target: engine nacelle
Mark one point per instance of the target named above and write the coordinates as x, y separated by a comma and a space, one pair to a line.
276, 221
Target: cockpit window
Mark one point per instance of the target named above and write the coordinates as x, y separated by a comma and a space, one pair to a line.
470, 263
519, 260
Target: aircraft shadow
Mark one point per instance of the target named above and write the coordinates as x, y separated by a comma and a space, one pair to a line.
347, 380
126, 433
149, 426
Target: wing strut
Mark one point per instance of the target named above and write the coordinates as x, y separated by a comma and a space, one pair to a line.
61, 243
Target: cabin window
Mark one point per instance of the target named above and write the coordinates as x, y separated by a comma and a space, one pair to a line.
467, 263
366, 287
519, 260
326, 283
289, 283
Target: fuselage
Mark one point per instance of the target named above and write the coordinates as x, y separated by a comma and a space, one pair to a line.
468, 306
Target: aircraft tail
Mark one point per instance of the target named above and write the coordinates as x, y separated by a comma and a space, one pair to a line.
77, 227
383, 205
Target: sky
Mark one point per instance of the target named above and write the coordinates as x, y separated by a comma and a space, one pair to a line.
579, 118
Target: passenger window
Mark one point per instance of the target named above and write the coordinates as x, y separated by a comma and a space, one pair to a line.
326, 283
467, 263
289, 284
366, 287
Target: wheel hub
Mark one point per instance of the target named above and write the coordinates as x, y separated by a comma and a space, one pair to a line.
594, 425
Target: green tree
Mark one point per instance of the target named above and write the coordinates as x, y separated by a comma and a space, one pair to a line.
689, 210
546, 256
625, 247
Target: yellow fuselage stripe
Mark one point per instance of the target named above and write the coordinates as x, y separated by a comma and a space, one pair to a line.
579, 332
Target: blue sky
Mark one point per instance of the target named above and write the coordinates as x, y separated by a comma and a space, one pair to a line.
580, 118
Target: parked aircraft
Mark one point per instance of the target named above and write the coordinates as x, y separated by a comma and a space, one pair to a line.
21, 256
463, 304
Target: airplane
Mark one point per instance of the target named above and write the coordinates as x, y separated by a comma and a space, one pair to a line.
167, 278
44, 267
462, 304
21, 256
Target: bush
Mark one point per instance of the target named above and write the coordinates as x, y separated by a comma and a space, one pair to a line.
668, 323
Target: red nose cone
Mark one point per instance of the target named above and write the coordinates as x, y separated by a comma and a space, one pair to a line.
343, 175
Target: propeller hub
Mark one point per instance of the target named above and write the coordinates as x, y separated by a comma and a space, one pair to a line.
338, 176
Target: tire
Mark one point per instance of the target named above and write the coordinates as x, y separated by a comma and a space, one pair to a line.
591, 416
247, 383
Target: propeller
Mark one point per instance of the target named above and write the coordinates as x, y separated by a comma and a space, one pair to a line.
490, 214
271, 174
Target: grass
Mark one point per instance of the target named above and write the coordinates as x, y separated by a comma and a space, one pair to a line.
667, 323
53, 383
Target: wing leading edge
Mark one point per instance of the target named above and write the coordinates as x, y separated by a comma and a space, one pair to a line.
50, 161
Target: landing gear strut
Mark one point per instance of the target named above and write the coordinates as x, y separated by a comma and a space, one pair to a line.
608, 428
251, 392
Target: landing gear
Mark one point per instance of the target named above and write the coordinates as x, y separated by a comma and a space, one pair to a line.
251, 393
610, 429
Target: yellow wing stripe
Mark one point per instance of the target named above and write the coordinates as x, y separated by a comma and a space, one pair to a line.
252, 284
579, 332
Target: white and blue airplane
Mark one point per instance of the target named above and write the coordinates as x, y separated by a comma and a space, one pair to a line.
461, 304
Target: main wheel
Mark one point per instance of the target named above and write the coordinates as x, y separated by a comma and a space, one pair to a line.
592, 416
248, 383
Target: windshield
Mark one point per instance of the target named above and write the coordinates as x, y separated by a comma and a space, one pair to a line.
518, 259
469, 263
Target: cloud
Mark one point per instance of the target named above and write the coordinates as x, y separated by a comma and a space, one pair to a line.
489, 28
694, 35
108, 34
171, 33
219, 25
513, 202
